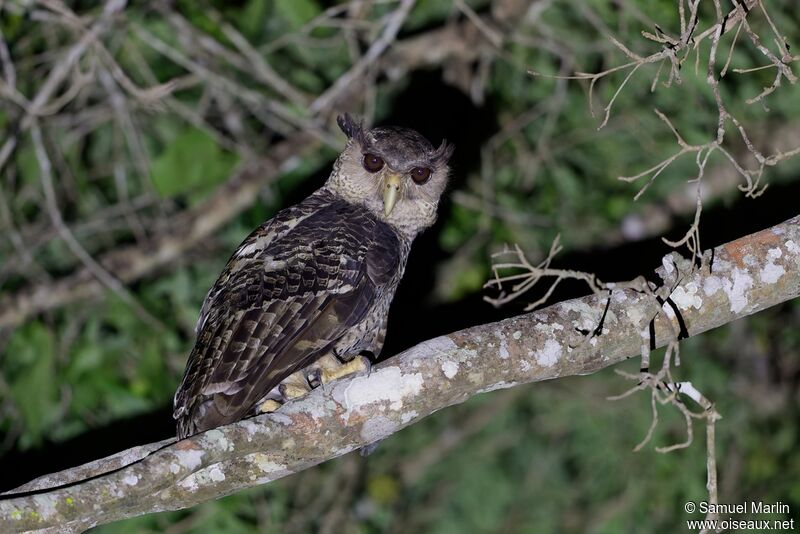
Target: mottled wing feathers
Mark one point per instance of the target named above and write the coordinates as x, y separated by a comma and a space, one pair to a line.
292, 290
250, 252
314, 337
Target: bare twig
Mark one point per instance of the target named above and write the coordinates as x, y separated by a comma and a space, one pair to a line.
168, 239
92, 266
56, 76
676, 50
131, 262
343, 83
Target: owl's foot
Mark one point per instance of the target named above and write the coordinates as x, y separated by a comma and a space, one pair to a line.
359, 364
269, 406
316, 370
329, 368
293, 386
326, 369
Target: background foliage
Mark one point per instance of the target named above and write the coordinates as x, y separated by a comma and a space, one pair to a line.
98, 375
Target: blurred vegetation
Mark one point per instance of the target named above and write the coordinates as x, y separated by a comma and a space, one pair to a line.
550, 457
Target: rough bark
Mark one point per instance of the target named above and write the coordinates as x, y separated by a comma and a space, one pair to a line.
745, 276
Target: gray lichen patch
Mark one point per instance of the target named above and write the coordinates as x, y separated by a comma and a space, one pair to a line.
266, 464
736, 288
687, 297
450, 369
377, 428
772, 271
315, 405
216, 440
549, 329
263, 468
202, 478
408, 416
585, 316
46, 506
503, 350
711, 284
189, 458
549, 354
441, 345
388, 386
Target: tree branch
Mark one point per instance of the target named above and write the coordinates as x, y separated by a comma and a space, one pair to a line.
129, 263
739, 278
451, 43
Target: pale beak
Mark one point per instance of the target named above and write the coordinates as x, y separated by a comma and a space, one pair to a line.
391, 191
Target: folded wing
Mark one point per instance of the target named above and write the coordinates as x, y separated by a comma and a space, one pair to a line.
279, 305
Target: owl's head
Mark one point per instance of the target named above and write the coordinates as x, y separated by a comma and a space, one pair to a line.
395, 172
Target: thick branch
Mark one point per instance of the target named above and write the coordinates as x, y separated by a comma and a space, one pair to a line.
745, 276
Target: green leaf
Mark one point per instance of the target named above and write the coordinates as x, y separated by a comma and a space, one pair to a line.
191, 163
297, 12
34, 387
251, 18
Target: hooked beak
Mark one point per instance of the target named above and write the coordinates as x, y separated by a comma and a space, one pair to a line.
391, 191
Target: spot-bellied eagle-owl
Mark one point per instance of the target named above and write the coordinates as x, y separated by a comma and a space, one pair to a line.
309, 290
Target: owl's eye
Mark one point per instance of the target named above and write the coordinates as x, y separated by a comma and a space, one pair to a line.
372, 163
420, 174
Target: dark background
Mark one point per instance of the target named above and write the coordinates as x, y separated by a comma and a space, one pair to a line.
96, 376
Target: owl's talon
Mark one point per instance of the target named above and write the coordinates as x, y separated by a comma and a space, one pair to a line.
292, 391
359, 364
314, 377
316, 371
269, 405
295, 385
343, 357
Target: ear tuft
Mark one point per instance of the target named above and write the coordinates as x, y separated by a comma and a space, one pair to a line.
444, 152
351, 128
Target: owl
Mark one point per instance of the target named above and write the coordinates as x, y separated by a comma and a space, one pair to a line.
305, 298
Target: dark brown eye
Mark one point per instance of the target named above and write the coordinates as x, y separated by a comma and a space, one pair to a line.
420, 174
372, 162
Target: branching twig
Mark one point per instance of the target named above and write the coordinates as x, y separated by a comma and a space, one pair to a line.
531, 275
168, 238
343, 83
676, 50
